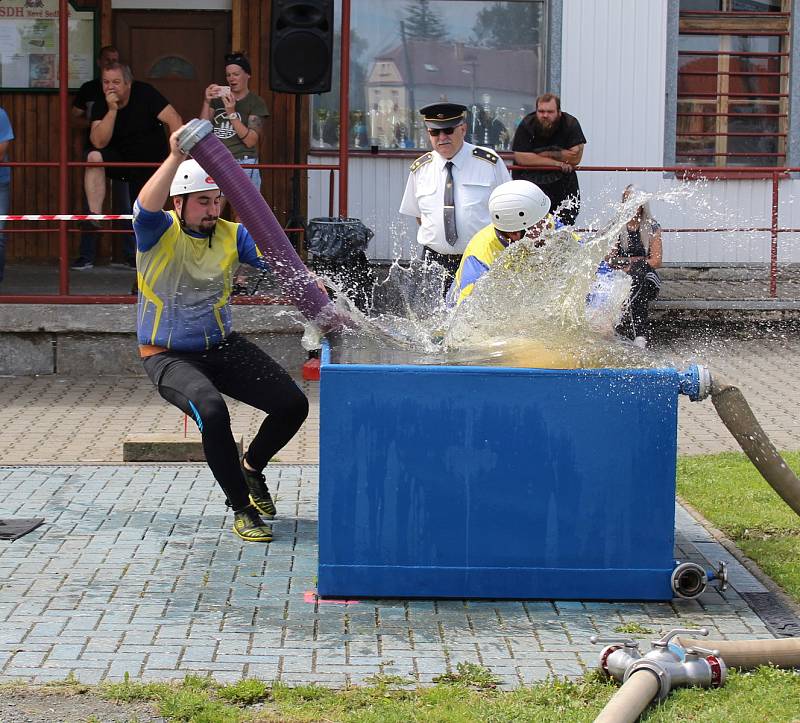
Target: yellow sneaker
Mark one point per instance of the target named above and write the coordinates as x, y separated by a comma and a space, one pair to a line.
259, 492
248, 525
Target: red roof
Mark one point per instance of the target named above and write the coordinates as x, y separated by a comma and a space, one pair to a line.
451, 65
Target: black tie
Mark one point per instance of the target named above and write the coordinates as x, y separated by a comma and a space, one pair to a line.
449, 207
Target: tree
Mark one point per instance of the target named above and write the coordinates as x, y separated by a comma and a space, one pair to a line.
422, 22
508, 25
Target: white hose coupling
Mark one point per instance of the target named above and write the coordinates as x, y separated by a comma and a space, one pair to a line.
193, 132
615, 658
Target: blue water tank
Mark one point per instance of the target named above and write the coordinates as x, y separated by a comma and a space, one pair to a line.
481, 482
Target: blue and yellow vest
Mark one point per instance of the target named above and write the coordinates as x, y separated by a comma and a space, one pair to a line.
185, 280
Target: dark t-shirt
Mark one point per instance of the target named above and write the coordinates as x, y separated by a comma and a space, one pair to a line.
251, 104
567, 134
138, 134
88, 94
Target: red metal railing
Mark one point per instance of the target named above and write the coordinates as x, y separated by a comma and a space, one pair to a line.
63, 165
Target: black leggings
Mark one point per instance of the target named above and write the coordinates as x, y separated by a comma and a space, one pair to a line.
643, 290
195, 382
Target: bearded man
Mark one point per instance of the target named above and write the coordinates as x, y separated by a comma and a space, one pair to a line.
185, 261
553, 141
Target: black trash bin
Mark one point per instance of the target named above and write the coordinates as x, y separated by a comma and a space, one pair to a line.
336, 247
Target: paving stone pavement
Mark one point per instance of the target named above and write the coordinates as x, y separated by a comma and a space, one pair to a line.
136, 570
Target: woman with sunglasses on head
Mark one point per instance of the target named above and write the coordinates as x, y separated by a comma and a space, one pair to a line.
237, 114
448, 188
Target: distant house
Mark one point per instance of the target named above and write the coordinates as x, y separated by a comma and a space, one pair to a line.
411, 75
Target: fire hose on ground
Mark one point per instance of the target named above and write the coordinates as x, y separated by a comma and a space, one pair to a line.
689, 661
682, 663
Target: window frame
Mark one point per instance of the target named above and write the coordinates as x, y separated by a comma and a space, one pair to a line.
703, 23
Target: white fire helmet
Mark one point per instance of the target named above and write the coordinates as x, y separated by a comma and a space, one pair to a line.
191, 178
517, 205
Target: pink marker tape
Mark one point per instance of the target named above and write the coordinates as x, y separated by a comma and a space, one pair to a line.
310, 597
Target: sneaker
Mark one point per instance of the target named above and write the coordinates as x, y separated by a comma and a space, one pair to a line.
640, 341
124, 264
259, 493
82, 264
248, 525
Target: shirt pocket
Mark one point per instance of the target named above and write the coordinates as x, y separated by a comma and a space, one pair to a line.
427, 198
475, 193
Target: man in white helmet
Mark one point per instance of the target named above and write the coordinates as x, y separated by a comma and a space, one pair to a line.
185, 261
516, 208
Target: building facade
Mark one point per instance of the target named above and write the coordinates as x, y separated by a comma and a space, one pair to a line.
705, 84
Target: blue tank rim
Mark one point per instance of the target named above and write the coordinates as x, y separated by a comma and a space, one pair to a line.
326, 365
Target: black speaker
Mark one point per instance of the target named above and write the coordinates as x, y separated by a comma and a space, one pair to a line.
301, 46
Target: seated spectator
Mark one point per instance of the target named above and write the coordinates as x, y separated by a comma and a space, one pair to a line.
237, 114
88, 94
638, 253
6, 136
127, 127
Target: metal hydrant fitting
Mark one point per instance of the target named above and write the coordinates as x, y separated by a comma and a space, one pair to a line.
672, 665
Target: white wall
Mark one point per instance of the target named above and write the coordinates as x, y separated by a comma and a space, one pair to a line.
613, 80
613, 56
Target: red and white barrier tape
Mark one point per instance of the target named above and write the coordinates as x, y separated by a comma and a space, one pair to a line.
66, 217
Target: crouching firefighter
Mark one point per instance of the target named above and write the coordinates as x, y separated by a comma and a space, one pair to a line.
185, 262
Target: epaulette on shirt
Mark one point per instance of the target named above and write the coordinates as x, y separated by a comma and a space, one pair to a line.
421, 161
486, 154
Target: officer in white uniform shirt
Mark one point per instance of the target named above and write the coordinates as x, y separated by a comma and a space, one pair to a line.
448, 188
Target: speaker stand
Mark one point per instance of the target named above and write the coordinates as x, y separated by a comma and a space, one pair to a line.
296, 218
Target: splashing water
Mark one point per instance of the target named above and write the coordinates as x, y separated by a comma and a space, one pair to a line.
529, 310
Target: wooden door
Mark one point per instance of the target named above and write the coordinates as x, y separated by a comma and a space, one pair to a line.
179, 52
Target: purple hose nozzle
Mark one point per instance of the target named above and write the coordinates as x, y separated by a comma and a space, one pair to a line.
297, 283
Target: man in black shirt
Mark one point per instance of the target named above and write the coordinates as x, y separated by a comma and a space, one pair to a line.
88, 94
549, 137
127, 127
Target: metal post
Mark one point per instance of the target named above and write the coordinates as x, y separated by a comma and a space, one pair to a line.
63, 145
773, 261
344, 108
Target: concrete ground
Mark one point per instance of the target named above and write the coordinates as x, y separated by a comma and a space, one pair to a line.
136, 570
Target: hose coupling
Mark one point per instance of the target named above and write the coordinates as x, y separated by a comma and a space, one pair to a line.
615, 658
689, 580
193, 132
695, 382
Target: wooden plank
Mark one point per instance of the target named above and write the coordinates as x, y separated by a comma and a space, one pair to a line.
716, 24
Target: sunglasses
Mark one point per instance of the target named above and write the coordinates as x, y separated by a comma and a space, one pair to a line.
234, 57
447, 131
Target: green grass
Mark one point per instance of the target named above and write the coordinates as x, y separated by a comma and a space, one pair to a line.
465, 696
728, 491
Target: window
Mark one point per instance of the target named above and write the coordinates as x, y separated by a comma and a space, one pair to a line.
733, 83
488, 55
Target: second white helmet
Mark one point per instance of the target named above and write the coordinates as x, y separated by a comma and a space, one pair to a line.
191, 178
517, 205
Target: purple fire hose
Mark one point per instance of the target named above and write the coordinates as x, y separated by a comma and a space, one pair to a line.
297, 284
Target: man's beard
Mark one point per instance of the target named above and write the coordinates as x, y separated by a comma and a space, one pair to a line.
545, 131
208, 225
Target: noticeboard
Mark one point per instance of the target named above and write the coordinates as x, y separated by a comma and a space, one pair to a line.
29, 45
